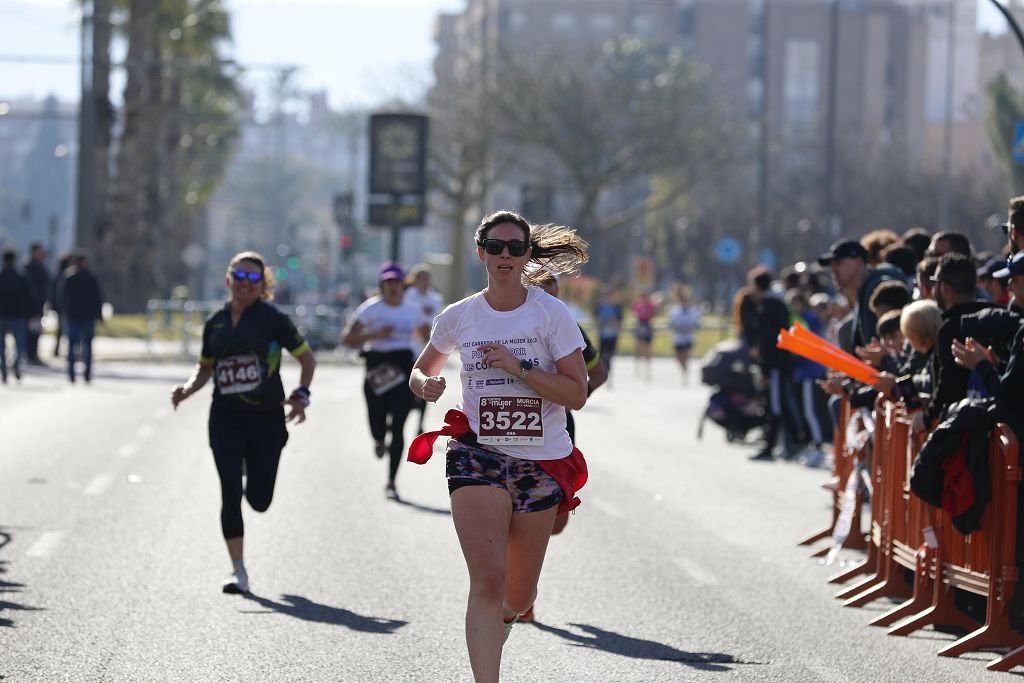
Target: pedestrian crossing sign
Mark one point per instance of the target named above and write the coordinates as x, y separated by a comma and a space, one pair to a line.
1018, 143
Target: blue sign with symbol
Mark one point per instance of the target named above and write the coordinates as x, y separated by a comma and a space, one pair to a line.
1018, 143
727, 250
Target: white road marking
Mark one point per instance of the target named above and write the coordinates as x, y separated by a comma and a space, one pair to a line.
45, 544
161, 413
695, 571
98, 484
606, 508
145, 431
128, 450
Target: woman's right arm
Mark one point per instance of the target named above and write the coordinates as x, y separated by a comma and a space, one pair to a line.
425, 380
200, 376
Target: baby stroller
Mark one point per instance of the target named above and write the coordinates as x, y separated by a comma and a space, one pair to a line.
736, 404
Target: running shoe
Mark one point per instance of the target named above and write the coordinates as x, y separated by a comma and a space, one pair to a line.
237, 583
508, 628
378, 448
764, 455
390, 493
812, 456
527, 616
17, 372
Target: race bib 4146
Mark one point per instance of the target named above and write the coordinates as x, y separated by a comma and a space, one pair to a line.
239, 374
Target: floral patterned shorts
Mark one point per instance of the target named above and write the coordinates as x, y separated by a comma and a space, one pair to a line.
532, 489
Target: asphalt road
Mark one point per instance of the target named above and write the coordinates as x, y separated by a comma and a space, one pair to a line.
680, 565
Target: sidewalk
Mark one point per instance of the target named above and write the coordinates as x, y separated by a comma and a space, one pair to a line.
129, 349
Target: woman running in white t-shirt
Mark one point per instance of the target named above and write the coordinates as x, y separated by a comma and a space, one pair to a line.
510, 466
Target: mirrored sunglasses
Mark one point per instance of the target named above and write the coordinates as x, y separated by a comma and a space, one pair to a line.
494, 247
242, 275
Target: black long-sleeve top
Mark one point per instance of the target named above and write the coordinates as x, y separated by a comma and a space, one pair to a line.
949, 379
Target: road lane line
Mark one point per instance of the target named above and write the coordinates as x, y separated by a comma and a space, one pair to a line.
606, 508
45, 544
98, 484
695, 571
128, 450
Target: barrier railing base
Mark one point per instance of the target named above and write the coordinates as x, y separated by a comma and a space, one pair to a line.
919, 601
858, 569
987, 637
1008, 661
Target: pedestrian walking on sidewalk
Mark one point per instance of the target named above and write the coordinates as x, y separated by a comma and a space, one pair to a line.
511, 466
383, 327
15, 309
241, 350
81, 301
39, 280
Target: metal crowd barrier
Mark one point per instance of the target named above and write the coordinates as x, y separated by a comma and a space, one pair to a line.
908, 534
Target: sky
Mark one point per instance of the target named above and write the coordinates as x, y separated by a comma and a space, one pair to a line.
361, 52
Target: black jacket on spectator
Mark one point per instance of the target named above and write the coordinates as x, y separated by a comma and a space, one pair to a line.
1007, 387
15, 295
80, 297
770, 316
39, 281
968, 427
949, 379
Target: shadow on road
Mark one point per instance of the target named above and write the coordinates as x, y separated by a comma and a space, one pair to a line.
307, 610
618, 644
9, 587
424, 508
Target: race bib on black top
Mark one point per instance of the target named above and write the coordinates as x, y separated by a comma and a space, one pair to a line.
384, 377
239, 374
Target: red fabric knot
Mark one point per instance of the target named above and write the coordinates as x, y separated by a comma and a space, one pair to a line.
569, 472
422, 447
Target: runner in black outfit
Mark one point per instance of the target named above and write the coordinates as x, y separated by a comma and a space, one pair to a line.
242, 346
383, 327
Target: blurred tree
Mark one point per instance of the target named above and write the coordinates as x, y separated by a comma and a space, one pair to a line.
1005, 108
610, 121
465, 161
180, 101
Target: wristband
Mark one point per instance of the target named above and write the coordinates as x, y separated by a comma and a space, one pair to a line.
300, 396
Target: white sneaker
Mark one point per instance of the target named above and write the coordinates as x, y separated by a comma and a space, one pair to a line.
237, 583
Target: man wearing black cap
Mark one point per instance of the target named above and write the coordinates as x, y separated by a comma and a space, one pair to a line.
994, 286
857, 280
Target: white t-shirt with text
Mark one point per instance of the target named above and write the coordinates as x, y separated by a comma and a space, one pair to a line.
516, 421
374, 314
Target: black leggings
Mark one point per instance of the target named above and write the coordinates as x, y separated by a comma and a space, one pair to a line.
255, 439
395, 403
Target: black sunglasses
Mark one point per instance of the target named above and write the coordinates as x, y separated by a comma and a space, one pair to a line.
241, 275
494, 247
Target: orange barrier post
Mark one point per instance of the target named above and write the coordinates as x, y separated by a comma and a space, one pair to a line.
879, 534
840, 468
889, 462
999, 527
982, 562
909, 549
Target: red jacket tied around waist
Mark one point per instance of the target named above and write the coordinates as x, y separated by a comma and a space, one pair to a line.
570, 472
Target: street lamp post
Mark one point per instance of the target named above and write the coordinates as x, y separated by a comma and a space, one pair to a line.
1014, 26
